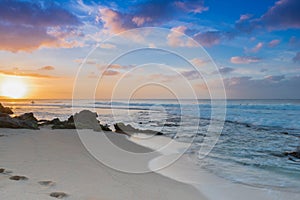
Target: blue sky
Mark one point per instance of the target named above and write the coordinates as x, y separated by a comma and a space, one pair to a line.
254, 44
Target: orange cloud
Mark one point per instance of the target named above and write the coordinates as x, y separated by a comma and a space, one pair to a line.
47, 68
26, 74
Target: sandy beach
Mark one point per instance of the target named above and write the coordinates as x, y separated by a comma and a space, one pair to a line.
56, 161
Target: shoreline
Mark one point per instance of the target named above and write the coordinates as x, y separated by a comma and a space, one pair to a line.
210, 185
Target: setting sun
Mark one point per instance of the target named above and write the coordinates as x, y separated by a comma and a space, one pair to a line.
13, 88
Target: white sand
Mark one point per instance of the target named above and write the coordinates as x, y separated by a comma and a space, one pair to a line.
59, 156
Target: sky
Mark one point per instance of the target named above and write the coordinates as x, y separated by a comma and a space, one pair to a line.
151, 49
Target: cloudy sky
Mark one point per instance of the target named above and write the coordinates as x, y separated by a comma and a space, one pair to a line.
255, 46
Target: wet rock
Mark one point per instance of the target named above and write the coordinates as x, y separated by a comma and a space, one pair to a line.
295, 154
129, 130
105, 127
5, 110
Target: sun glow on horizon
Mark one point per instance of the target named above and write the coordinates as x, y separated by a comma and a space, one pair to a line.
13, 87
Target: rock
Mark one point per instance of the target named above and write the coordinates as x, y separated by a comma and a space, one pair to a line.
27, 116
1, 170
295, 154
18, 178
54, 121
27, 121
129, 130
71, 119
58, 195
105, 127
64, 125
5, 110
85, 119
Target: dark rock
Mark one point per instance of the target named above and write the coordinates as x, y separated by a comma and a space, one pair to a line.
129, 130
71, 119
64, 125
86, 120
285, 133
2, 170
27, 121
83, 120
58, 195
54, 121
295, 154
5, 110
7, 122
27, 116
18, 178
105, 127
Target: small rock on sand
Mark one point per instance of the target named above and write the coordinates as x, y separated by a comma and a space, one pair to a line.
18, 178
58, 195
2, 170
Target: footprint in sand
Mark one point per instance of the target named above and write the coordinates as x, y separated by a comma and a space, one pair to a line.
18, 178
58, 195
4, 171
47, 183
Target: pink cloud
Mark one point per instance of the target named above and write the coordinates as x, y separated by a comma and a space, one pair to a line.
209, 38
112, 20
198, 62
26, 27
140, 20
110, 73
177, 38
273, 43
283, 15
257, 47
194, 7
244, 60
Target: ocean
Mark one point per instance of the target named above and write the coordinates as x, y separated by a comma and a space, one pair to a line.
250, 149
